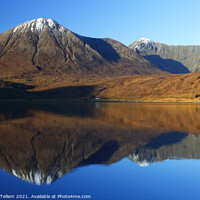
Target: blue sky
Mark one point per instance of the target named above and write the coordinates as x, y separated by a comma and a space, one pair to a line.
167, 21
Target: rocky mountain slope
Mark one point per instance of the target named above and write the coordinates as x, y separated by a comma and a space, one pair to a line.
42, 49
172, 58
165, 147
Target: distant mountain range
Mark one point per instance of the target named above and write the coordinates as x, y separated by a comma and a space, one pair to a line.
175, 59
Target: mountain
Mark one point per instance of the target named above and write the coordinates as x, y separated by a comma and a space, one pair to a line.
164, 148
42, 50
172, 58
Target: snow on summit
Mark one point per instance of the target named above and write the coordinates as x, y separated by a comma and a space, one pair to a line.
144, 39
138, 44
37, 25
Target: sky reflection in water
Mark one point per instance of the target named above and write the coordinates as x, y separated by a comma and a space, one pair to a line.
99, 149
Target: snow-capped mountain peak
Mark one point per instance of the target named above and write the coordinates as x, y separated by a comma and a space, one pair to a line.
144, 40
37, 25
143, 44
136, 159
36, 176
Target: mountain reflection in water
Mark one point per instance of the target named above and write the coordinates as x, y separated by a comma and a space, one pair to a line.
40, 142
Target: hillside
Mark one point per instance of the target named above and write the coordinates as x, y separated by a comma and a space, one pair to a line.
155, 88
137, 88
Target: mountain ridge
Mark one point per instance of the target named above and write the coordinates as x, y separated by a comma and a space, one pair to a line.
172, 58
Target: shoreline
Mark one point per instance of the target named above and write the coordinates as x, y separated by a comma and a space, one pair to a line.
95, 101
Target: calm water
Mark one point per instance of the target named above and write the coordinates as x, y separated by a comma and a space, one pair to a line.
104, 150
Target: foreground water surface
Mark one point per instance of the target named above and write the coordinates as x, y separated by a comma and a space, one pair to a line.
99, 150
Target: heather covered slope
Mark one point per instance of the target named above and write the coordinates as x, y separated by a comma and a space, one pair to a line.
137, 88
155, 88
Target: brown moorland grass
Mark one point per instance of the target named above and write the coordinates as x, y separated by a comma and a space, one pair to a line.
154, 88
137, 88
